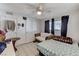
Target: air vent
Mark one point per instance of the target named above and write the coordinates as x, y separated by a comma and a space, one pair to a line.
9, 13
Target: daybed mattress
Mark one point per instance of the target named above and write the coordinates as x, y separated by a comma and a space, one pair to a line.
56, 48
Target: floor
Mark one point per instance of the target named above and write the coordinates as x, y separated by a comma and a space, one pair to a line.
29, 49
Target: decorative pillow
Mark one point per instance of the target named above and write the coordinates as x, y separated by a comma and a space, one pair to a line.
45, 34
2, 32
2, 38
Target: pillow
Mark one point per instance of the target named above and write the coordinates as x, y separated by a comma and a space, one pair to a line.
40, 38
2, 33
2, 38
45, 34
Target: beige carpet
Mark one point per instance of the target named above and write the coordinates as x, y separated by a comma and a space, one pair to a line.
28, 49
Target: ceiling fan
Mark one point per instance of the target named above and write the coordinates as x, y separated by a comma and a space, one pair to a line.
39, 9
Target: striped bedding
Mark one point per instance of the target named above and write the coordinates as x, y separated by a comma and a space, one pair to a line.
56, 48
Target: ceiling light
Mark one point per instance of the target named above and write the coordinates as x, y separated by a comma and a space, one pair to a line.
39, 12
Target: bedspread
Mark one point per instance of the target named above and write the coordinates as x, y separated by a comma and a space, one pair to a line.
56, 48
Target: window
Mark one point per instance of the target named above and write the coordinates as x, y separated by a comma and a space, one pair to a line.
50, 26
57, 28
57, 25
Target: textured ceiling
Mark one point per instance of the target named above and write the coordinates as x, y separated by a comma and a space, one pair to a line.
49, 9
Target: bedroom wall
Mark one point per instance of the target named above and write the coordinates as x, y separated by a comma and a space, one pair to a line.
34, 26
42, 24
73, 25
4, 17
20, 31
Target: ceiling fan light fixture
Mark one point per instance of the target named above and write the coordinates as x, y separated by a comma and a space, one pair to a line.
39, 12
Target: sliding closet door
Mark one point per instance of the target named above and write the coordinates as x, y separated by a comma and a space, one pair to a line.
64, 20
52, 26
47, 27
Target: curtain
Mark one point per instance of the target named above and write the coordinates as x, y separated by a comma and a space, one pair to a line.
52, 26
64, 21
47, 26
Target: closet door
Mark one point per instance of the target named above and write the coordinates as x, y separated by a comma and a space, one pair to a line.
52, 26
64, 20
47, 26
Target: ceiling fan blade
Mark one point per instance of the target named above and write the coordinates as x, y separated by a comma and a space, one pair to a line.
47, 11
31, 6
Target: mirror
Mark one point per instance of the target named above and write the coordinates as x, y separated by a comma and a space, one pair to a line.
10, 25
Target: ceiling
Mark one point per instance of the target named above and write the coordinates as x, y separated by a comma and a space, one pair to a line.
50, 9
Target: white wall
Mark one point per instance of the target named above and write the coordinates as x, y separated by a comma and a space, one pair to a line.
73, 25
32, 26
6, 17
21, 31
41, 26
